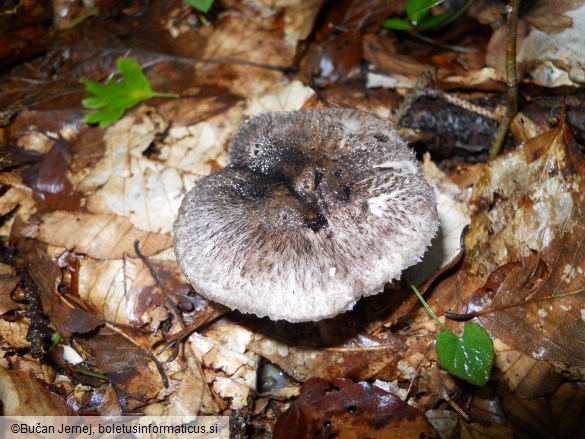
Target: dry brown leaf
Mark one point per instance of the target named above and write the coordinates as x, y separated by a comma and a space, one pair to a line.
231, 371
22, 395
280, 97
118, 353
18, 198
7, 285
554, 49
525, 376
383, 55
127, 364
98, 236
13, 335
104, 286
191, 395
385, 357
236, 37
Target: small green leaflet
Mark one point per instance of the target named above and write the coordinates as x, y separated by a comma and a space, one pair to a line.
416, 10
419, 19
114, 98
469, 357
397, 24
201, 5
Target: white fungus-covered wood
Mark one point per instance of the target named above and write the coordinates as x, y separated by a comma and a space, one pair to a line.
314, 210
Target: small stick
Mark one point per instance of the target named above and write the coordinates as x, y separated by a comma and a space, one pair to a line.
511, 79
170, 305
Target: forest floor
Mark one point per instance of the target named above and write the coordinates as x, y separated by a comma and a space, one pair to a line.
90, 289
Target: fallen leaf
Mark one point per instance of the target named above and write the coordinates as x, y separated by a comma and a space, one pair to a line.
280, 97
350, 410
8, 284
536, 311
521, 202
22, 395
524, 375
360, 359
192, 394
97, 236
559, 415
117, 353
148, 190
13, 335
553, 51
104, 286
223, 350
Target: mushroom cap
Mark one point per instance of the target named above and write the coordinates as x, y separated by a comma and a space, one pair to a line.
314, 210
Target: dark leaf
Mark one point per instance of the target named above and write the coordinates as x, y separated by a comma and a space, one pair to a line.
345, 409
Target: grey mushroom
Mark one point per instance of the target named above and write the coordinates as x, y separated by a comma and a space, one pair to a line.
314, 210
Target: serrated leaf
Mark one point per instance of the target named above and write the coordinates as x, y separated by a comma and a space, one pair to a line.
396, 23
469, 357
201, 5
434, 21
416, 10
114, 97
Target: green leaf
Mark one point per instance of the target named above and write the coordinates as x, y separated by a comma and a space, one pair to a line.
201, 5
469, 357
433, 21
397, 24
416, 10
114, 97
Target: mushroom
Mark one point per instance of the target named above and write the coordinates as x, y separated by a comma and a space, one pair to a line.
314, 210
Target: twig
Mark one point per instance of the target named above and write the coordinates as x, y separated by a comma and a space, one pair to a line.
511, 79
170, 305
423, 87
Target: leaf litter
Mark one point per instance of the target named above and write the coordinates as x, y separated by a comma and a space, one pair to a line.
75, 199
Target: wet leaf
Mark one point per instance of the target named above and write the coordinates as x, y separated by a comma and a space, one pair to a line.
561, 414
350, 410
536, 311
116, 353
116, 97
522, 201
469, 357
53, 169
